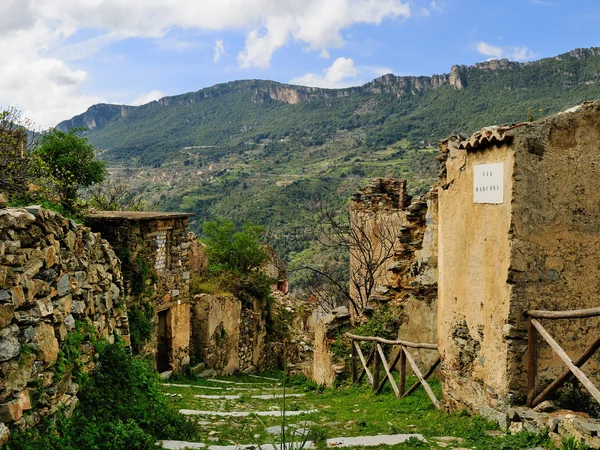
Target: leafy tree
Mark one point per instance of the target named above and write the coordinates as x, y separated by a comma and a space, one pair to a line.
15, 144
235, 259
67, 163
234, 251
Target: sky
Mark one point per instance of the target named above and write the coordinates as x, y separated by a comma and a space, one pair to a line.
59, 57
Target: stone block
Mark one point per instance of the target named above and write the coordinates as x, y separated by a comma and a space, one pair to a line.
49, 256
47, 344
45, 307
9, 344
5, 295
4, 434
13, 410
18, 296
63, 286
6, 314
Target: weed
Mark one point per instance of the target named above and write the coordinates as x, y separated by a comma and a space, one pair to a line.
569, 443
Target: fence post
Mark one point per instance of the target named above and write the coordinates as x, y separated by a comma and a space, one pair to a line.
531, 362
354, 374
402, 371
376, 370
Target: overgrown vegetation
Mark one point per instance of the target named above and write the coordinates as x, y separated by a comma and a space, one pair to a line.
339, 412
121, 407
235, 259
141, 325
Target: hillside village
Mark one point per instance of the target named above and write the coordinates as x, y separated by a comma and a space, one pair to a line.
486, 283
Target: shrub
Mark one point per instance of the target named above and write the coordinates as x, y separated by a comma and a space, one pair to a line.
121, 408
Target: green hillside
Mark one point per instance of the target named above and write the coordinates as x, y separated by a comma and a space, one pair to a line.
272, 153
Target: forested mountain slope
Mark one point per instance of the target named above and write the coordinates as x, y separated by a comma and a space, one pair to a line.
272, 153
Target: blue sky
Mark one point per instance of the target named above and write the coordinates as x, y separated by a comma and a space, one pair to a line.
62, 56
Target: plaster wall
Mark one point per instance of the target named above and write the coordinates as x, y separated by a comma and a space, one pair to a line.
474, 297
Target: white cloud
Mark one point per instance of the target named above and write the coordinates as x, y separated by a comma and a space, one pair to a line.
43, 41
324, 54
497, 52
147, 98
219, 49
439, 7
341, 73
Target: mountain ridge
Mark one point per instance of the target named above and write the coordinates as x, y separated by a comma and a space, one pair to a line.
96, 116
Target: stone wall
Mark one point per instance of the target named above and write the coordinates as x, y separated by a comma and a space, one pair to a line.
55, 275
227, 336
327, 366
537, 249
154, 248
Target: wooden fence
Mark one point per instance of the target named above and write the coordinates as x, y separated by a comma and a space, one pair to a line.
377, 358
573, 368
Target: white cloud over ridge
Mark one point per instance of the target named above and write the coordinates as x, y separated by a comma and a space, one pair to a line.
342, 73
497, 52
40, 45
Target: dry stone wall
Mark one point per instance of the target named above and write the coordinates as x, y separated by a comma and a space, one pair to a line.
55, 276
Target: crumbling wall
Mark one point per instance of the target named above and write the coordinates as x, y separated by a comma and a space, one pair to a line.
55, 276
555, 239
536, 248
226, 335
407, 281
327, 365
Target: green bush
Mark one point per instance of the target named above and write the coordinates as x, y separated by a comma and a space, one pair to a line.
141, 325
121, 408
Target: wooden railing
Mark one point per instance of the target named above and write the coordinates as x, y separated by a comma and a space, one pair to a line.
536, 327
377, 358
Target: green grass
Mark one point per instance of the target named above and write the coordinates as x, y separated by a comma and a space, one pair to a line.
343, 411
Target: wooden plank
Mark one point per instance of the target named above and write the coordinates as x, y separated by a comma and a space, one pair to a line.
414, 387
376, 371
563, 355
354, 372
572, 314
369, 359
553, 387
364, 363
387, 371
382, 384
417, 372
402, 372
531, 362
389, 342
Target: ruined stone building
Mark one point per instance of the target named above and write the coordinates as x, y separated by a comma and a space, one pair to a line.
519, 221
154, 251
408, 277
513, 225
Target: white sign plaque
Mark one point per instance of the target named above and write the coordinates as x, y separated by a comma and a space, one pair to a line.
488, 183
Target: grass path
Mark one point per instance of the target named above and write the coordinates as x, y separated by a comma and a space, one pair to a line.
228, 410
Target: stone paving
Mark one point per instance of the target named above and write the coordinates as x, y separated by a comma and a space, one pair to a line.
221, 406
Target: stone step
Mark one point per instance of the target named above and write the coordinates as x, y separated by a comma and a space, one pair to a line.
194, 412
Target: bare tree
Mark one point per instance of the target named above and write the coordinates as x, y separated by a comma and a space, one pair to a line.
114, 195
365, 244
16, 143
